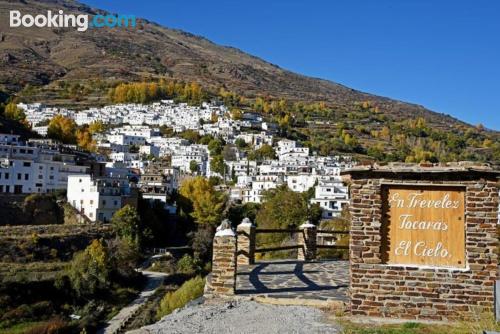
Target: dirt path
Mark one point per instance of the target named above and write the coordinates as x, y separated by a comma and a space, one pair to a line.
241, 317
154, 280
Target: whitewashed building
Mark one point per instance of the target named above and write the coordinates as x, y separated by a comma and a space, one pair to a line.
99, 198
34, 169
332, 196
183, 157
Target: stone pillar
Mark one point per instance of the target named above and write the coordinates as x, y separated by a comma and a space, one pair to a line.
222, 280
246, 242
307, 239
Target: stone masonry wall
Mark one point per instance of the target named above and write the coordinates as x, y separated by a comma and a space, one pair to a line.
382, 290
222, 280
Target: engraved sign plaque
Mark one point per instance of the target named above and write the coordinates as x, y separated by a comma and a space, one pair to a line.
423, 226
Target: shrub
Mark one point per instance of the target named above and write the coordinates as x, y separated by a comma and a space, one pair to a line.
190, 290
164, 265
188, 265
69, 215
42, 210
201, 242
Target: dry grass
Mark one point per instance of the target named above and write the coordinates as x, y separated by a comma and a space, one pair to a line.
26, 272
477, 325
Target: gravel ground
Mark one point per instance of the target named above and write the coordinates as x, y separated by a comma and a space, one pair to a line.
241, 317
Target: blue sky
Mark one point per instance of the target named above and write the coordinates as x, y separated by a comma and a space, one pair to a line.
442, 54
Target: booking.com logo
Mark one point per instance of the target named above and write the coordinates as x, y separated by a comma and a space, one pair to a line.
62, 20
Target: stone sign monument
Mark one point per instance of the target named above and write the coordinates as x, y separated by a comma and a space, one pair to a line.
423, 240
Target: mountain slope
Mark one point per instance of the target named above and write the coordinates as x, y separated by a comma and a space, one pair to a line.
56, 60
41, 55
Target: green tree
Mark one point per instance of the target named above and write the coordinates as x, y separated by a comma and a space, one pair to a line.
237, 212
377, 152
215, 147
124, 258
206, 139
193, 166
133, 148
284, 124
190, 135
240, 143
127, 225
283, 208
214, 118
89, 270
218, 165
264, 152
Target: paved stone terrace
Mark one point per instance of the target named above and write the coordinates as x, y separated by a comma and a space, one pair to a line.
318, 280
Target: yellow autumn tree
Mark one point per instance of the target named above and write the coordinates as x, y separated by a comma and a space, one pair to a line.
84, 139
144, 92
97, 127
487, 143
236, 113
214, 118
284, 122
261, 105
385, 133
419, 154
13, 112
196, 93
63, 129
201, 201
347, 139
